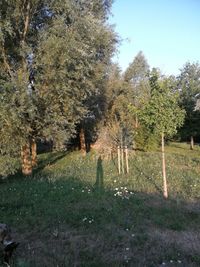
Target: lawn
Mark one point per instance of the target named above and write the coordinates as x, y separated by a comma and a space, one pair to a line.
68, 215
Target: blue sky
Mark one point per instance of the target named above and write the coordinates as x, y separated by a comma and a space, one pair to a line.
167, 31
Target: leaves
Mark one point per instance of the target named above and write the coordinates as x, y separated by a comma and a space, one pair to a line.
162, 114
52, 67
189, 87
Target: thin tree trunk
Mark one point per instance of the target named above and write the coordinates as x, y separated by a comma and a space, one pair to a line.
136, 121
122, 158
165, 192
122, 152
136, 127
191, 142
82, 140
26, 159
119, 160
26, 22
34, 152
127, 165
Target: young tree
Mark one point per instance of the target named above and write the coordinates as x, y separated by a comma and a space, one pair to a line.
115, 125
162, 114
137, 82
118, 119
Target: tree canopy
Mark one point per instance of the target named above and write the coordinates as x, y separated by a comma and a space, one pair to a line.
52, 54
189, 88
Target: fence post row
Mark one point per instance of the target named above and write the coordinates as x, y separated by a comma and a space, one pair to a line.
122, 152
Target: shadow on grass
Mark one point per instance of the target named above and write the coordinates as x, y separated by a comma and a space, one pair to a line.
99, 184
67, 217
149, 179
50, 159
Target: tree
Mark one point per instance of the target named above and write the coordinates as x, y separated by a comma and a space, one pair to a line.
48, 58
103, 47
36, 116
115, 126
189, 87
162, 114
137, 82
118, 119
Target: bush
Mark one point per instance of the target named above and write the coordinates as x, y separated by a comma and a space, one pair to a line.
8, 165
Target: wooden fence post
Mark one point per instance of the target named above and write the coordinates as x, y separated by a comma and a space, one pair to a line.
126, 154
122, 158
119, 159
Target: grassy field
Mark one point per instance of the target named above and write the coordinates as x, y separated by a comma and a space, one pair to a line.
73, 212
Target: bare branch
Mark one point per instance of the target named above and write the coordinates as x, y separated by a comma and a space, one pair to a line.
26, 22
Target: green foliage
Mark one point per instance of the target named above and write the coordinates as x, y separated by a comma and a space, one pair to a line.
53, 61
145, 139
9, 164
137, 81
162, 114
137, 70
189, 87
126, 94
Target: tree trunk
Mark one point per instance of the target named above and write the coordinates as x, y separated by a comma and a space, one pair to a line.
82, 140
122, 158
34, 152
122, 152
191, 143
136, 127
119, 160
136, 121
165, 193
26, 159
126, 154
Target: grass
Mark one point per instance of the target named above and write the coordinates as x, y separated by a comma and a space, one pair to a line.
63, 216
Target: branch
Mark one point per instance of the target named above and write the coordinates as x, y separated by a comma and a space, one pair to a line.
26, 22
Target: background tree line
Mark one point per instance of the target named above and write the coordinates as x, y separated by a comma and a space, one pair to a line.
58, 84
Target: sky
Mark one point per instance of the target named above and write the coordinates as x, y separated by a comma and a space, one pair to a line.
166, 31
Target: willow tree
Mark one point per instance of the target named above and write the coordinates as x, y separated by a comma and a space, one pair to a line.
17, 108
47, 62
101, 41
162, 114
